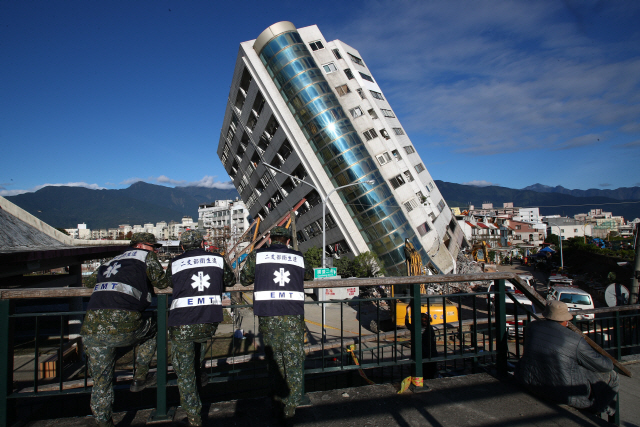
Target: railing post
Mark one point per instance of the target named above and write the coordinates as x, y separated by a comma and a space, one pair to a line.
618, 337
416, 336
6, 361
161, 413
502, 345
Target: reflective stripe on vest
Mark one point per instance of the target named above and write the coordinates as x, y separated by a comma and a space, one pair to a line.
196, 301
279, 258
133, 254
120, 287
197, 262
278, 295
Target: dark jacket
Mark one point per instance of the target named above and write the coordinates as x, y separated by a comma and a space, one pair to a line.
559, 365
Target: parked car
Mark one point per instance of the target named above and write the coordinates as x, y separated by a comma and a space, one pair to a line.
521, 307
574, 297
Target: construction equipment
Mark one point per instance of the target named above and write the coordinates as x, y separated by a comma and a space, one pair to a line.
401, 316
480, 252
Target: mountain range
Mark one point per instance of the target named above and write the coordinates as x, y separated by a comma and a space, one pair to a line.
66, 207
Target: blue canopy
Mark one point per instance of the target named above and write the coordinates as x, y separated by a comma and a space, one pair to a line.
547, 249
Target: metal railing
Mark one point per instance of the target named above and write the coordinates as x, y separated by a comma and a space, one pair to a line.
476, 339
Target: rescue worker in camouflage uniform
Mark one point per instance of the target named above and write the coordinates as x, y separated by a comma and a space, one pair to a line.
122, 289
197, 278
278, 274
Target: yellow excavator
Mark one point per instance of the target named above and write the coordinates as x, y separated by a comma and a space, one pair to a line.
480, 252
439, 312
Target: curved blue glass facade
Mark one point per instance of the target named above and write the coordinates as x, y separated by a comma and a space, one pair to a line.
338, 147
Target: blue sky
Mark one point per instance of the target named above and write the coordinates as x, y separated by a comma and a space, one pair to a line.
104, 93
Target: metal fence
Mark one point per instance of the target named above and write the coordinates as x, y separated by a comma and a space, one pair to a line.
32, 368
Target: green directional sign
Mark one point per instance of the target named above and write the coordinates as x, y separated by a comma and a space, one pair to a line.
324, 273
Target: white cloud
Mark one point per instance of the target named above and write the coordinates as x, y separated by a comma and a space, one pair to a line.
480, 183
6, 193
130, 181
207, 182
533, 74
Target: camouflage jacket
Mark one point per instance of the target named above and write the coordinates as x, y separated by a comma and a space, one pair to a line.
155, 274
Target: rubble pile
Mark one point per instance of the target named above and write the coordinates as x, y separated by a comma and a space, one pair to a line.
464, 266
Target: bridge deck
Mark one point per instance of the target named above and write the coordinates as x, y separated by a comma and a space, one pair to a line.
473, 400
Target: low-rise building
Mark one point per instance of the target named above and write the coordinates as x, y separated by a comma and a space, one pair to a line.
568, 228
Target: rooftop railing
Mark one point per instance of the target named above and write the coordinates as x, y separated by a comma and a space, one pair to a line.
35, 344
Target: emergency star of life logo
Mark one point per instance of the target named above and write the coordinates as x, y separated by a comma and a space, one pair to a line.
282, 277
113, 269
200, 281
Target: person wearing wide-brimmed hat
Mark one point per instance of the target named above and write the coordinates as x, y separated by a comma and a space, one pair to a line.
560, 366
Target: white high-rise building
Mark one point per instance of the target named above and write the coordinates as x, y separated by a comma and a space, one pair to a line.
313, 109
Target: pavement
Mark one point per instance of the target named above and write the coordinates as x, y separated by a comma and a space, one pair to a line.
471, 400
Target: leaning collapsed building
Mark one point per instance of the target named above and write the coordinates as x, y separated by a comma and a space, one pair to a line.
313, 110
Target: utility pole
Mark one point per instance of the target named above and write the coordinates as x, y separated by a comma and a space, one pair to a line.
636, 266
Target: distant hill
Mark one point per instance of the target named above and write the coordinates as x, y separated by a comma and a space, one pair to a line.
66, 207
622, 193
549, 202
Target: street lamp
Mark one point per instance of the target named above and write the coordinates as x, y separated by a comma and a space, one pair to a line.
324, 226
559, 238
324, 203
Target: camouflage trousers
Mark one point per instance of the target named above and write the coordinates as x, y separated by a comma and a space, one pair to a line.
188, 357
102, 332
283, 338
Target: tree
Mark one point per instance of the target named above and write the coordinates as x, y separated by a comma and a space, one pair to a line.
344, 266
129, 235
553, 239
367, 264
313, 257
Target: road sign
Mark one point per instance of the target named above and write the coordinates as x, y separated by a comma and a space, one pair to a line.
324, 273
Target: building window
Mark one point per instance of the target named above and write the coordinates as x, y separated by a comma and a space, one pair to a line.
398, 131
423, 229
343, 90
411, 205
251, 200
440, 205
518, 227
330, 68
317, 45
408, 175
409, 149
370, 134
397, 155
387, 113
373, 114
356, 59
384, 133
419, 168
430, 184
383, 158
336, 53
397, 181
348, 72
356, 112
361, 93
366, 77
376, 95
266, 178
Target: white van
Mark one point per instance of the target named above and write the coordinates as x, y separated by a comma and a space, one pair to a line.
575, 298
529, 280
